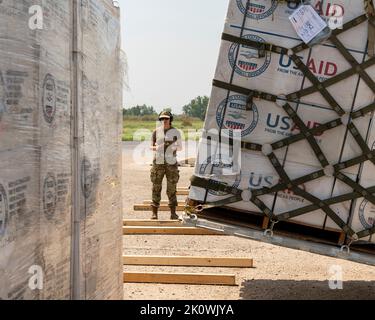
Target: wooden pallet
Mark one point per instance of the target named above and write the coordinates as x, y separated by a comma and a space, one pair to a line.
132, 226
288, 228
183, 191
257, 221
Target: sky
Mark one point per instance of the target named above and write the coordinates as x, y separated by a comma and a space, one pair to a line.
172, 48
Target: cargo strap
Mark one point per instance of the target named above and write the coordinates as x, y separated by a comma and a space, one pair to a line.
370, 15
353, 62
305, 131
298, 191
247, 92
218, 186
327, 83
292, 185
249, 103
286, 183
292, 139
323, 127
308, 134
317, 86
361, 142
262, 47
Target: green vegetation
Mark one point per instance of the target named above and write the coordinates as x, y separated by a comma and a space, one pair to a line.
197, 107
133, 124
144, 118
139, 111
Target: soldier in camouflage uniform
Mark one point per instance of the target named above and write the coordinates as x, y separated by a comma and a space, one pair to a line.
166, 141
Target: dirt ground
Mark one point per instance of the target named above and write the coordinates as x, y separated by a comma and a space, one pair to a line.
278, 273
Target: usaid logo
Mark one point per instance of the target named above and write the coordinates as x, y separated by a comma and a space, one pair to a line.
236, 116
258, 9
218, 162
49, 196
367, 214
87, 177
49, 98
286, 124
318, 66
248, 63
3, 210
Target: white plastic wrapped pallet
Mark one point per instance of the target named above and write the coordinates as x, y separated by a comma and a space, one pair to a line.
267, 21
60, 96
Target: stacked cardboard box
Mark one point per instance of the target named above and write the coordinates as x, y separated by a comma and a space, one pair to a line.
266, 122
37, 70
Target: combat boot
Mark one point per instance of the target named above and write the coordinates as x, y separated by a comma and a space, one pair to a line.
174, 216
154, 213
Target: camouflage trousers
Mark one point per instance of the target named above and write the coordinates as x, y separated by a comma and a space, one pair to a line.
158, 171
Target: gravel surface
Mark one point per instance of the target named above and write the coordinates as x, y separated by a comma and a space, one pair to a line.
278, 273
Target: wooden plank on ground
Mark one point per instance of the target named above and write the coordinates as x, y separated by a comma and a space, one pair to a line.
152, 223
146, 207
188, 261
182, 192
180, 278
169, 231
163, 202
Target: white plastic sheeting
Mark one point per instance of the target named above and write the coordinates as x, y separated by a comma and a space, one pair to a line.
267, 21
60, 95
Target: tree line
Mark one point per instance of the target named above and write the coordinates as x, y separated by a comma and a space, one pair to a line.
196, 109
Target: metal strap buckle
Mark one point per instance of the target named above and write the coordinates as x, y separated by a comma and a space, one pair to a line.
262, 50
249, 101
269, 232
346, 248
199, 208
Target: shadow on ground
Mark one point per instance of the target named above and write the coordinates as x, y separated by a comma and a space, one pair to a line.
305, 290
